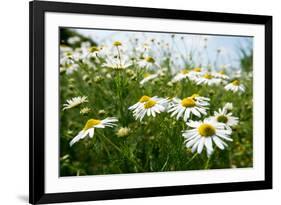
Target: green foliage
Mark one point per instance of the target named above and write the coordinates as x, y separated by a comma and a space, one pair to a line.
246, 57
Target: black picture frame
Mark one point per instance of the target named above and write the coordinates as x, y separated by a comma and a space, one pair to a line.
37, 9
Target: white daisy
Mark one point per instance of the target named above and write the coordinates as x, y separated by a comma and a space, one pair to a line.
221, 74
149, 106
73, 102
194, 104
225, 117
117, 63
207, 79
149, 63
148, 77
89, 128
66, 56
117, 43
235, 86
183, 74
228, 106
196, 72
93, 51
203, 134
69, 68
141, 101
73, 40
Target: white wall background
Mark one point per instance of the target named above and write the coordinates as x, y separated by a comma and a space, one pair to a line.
14, 100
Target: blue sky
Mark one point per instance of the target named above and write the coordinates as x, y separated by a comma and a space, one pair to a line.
228, 45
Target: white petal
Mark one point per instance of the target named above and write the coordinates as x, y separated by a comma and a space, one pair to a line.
224, 137
194, 147
148, 112
180, 113
201, 145
186, 114
176, 111
153, 113
91, 132
77, 138
208, 143
191, 142
218, 142
195, 112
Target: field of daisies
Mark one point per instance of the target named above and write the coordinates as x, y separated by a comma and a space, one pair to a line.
147, 105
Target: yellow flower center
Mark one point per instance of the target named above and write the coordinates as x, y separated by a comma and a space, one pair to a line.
146, 75
93, 49
194, 95
197, 69
222, 72
117, 43
69, 54
236, 82
184, 71
150, 59
149, 104
206, 130
208, 76
91, 123
188, 102
144, 98
222, 119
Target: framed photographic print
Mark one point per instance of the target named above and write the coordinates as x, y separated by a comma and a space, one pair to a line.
140, 102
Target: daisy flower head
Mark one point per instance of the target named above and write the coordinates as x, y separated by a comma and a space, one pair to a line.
221, 74
140, 103
74, 102
194, 104
66, 55
148, 77
93, 51
69, 68
148, 62
207, 79
117, 63
89, 128
228, 106
117, 43
225, 117
149, 106
183, 74
73, 40
196, 72
204, 133
235, 86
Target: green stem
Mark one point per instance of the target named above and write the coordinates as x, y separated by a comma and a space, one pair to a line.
192, 158
207, 163
119, 150
119, 56
110, 142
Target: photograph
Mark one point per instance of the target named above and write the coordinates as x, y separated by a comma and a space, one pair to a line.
145, 101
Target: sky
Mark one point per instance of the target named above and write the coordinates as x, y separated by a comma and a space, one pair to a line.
206, 50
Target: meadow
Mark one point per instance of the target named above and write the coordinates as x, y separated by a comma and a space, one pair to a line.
143, 104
